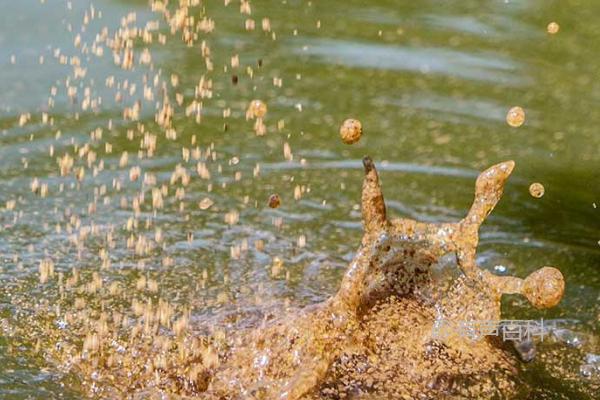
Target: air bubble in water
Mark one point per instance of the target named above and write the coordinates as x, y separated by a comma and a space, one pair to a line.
587, 370
568, 336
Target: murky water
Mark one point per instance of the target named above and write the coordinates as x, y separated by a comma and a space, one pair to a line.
431, 85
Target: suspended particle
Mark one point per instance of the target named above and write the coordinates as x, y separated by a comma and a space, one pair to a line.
274, 201
80, 174
232, 217
302, 241
553, 28
205, 203
276, 267
257, 109
134, 173
234, 79
123, 160
287, 152
536, 190
266, 24
515, 117
351, 131
259, 127
35, 185
46, 269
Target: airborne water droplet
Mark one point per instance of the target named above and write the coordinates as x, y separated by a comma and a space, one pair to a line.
515, 117
274, 201
553, 28
351, 131
536, 190
257, 109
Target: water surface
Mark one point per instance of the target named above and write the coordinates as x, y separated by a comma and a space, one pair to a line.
431, 84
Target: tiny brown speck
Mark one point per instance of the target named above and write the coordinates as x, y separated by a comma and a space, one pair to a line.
274, 201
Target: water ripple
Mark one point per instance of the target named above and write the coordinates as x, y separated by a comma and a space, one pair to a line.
488, 67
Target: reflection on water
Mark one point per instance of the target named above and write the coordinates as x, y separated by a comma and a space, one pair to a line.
431, 85
485, 67
454, 108
467, 24
385, 166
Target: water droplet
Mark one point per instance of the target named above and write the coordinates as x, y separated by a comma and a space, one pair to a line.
568, 336
205, 203
351, 131
257, 109
553, 28
587, 370
274, 201
592, 359
61, 324
536, 190
515, 117
500, 269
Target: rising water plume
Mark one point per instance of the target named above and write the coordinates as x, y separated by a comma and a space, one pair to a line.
372, 339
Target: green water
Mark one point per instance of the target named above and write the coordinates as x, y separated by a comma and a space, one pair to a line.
431, 83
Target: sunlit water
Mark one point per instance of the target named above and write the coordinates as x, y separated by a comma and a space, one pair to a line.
431, 85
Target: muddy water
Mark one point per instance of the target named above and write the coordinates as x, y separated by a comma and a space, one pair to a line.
431, 86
